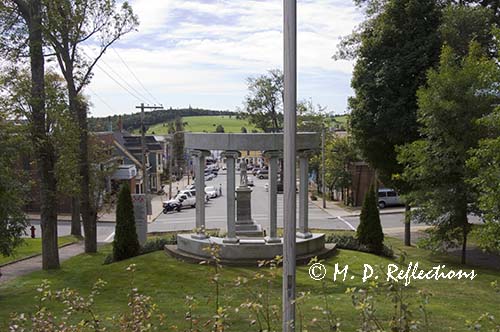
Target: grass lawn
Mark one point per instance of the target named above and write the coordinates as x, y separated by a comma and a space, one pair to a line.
32, 247
207, 123
169, 281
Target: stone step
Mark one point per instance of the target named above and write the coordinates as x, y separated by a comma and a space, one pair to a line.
248, 227
251, 233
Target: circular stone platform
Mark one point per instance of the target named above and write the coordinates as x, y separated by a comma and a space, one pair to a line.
247, 251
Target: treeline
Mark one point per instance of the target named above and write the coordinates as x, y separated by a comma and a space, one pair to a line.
131, 122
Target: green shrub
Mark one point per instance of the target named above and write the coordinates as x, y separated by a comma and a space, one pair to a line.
125, 244
369, 231
350, 242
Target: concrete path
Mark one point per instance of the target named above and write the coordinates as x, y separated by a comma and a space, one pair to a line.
29, 265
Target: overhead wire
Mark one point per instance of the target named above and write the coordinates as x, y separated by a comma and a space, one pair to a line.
115, 80
135, 76
144, 98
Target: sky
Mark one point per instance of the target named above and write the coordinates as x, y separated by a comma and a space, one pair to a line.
201, 52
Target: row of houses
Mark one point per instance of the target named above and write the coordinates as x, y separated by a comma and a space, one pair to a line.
123, 156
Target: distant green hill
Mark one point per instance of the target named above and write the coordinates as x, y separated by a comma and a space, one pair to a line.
207, 124
132, 122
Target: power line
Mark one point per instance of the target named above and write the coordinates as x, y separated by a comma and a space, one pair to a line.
125, 81
100, 98
136, 78
111, 77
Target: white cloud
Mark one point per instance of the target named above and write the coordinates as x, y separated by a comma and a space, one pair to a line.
188, 50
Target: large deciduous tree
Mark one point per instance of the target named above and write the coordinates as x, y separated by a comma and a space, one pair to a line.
264, 103
29, 26
459, 92
12, 187
69, 25
398, 43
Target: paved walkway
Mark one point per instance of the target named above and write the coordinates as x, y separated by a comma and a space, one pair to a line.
29, 265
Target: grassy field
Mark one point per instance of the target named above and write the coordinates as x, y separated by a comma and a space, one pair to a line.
208, 124
169, 281
32, 247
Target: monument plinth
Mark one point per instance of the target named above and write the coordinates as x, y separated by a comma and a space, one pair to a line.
245, 226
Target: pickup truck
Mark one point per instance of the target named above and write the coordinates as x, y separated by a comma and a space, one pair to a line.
185, 199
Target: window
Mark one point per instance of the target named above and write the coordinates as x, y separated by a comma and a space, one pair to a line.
137, 188
391, 194
382, 194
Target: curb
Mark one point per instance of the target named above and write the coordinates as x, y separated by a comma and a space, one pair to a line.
35, 255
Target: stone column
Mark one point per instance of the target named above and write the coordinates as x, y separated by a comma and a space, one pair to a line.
230, 196
199, 156
273, 196
303, 195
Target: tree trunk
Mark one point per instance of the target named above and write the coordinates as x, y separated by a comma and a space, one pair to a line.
86, 208
407, 225
76, 225
44, 151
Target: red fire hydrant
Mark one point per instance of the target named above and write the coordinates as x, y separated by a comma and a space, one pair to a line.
32, 229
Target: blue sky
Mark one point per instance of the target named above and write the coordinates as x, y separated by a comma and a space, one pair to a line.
200, 52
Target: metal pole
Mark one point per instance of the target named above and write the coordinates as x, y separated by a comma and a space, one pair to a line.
290, 208
170, 155
323, 190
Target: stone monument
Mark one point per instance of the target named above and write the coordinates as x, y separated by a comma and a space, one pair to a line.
245, 226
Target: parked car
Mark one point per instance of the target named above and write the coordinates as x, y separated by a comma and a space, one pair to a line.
192, 192
255, 170
263, 174
212, 192
186, 199
209, 177
388, 197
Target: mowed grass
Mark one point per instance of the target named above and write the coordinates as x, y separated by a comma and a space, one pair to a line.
169, 281
207, 123
32, 247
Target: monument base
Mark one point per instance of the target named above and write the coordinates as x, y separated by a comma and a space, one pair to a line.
249, 251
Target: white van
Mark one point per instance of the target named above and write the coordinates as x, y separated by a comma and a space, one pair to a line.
388, 197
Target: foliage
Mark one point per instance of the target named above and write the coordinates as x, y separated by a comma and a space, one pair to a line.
156, 244
176, 128
396, 48
459, 92
12, 185
461, 25
340, 152
219, 129
264, 103
369, 231
125, 244
351, 242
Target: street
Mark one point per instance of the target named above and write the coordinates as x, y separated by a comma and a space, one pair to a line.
215, 210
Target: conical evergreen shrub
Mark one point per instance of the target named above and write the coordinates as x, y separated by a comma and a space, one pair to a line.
369, 231
126, 243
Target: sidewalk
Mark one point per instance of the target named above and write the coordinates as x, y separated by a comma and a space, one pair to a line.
29, 265
109, 216
335, 209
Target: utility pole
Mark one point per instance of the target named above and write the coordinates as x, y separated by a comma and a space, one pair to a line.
290, 205
145, 176
170, 155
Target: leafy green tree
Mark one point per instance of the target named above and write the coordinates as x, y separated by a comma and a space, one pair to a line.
264, 103
369, 230
67, 25
21, 22
219, 128
457, 94
398, 43
244, 130
461, 24
340, 152
126, 243
12, 185
176, 128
